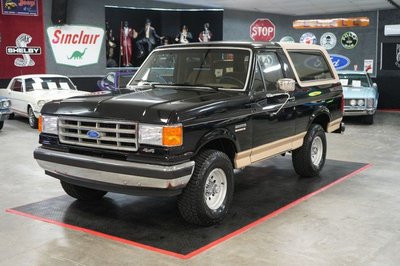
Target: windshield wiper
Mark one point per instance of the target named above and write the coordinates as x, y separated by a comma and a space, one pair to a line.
203, 86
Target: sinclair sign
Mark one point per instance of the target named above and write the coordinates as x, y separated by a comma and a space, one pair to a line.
76, 45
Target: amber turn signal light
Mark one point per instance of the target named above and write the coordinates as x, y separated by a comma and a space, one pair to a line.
172, 136
40, 124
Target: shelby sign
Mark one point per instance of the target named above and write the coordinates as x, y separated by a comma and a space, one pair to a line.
262, 30
76, 45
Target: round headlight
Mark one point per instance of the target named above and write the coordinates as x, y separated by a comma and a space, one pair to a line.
41, 103
6, 104
353, 102
360, 102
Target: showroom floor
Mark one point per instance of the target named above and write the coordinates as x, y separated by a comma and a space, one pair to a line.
355, 222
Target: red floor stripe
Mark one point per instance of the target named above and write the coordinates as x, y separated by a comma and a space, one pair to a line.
206, 247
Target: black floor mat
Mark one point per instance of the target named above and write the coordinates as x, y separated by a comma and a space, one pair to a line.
259, 191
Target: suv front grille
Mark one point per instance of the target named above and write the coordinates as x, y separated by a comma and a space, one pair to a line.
98, 133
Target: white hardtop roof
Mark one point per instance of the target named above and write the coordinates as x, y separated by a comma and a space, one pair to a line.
40, 76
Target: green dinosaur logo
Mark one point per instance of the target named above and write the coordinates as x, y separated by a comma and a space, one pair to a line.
77, 55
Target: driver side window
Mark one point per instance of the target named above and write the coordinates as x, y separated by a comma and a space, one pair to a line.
271, 69
17, 86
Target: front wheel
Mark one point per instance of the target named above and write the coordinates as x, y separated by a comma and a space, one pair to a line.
206, 198
33, 121
309, 159
1, 124
82, 193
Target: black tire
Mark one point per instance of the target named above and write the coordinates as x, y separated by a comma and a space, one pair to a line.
193, 204
1, 124
303, 157
33, 121
82, 193
369, 119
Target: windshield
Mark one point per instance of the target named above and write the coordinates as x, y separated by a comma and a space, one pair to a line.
354, 80
57, 83
208, 67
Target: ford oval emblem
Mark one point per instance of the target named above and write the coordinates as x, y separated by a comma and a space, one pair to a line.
340, 61
93, 134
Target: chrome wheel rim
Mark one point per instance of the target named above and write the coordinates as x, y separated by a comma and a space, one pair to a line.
317, 150
31, 117
215, 189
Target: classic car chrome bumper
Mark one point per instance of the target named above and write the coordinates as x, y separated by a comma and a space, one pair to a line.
112, 175
358, 111
4, 114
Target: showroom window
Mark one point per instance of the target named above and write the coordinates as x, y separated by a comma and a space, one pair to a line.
310, 65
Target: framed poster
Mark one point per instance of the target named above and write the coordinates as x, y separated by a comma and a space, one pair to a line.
390, 56
20, 7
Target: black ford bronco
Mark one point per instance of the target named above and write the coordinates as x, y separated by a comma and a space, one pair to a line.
189, 117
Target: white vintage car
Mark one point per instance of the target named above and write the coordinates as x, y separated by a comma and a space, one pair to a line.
28, 93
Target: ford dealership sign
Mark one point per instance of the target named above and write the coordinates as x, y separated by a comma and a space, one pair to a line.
76, 45
340, 61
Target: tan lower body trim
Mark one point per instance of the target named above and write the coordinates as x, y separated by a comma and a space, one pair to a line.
250, 156
334, 125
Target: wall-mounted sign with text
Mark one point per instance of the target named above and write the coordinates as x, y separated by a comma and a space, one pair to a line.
76, 45
19, 7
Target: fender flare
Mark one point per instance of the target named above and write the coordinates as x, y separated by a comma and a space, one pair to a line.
217, 134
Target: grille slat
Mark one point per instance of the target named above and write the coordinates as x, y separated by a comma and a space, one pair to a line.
116, 135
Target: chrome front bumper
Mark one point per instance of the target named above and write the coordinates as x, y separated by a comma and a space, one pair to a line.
112, 175
356, 112
4, 114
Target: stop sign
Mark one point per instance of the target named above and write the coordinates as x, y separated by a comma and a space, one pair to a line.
263, 30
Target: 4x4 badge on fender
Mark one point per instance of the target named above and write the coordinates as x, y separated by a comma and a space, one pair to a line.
349, 40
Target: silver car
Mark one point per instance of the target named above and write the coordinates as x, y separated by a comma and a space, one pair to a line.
360, 95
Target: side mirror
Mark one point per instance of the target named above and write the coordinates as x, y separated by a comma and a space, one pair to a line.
374, 85
286, 84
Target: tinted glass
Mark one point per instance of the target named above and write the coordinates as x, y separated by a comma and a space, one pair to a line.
271, 69
219, 68
310, 65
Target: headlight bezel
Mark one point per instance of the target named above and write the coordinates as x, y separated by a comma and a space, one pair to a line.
159, 135
48, 124
3, 104
41, 103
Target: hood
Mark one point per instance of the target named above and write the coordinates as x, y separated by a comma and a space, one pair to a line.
156, 105
358, 92
50, 95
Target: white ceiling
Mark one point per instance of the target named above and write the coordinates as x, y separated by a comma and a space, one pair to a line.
293, 7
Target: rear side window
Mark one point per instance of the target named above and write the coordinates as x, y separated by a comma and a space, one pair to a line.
310, 65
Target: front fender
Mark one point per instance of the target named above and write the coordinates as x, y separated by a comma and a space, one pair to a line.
217, 134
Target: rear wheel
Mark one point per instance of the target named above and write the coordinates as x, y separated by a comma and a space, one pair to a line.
82, 193
369, 119
309, 159
33, 121
207, 197
1, 124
